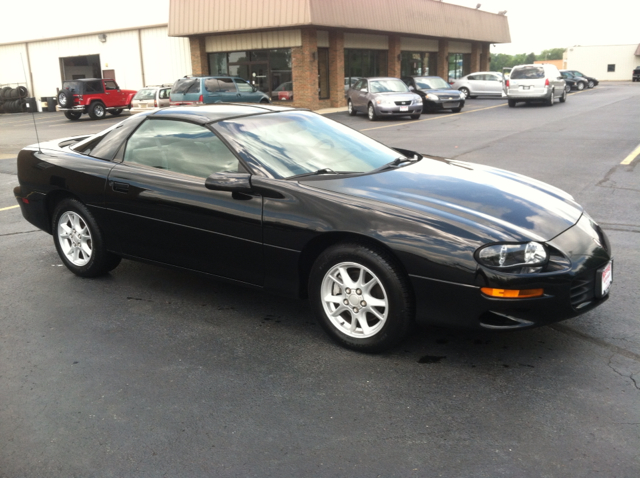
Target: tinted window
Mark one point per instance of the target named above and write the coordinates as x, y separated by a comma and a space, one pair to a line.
181, 147
213, 85
527, 73
181, 86
474, 77
110, 85
360, 85
243, 86
432, 83
145, 94
106, 144
92, 87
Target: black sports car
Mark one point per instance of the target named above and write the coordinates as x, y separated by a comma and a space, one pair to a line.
436, 94
590, 80
291, 202
574, 82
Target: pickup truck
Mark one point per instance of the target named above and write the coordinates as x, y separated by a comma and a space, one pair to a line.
93, 96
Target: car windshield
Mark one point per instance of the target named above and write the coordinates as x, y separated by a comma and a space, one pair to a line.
387, 86
527, 73
291, 143
145, 94
436, 83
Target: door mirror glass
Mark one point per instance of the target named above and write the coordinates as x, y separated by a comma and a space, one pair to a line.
232, 182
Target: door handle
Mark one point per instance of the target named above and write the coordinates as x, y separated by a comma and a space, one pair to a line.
120, 187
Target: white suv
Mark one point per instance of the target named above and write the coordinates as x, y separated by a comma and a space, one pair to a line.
540, 82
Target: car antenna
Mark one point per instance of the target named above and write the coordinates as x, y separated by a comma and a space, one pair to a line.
33, 113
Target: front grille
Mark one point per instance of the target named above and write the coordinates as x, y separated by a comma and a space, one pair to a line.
582, 292
403, 103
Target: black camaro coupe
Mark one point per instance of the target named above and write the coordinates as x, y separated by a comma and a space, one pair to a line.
291, 202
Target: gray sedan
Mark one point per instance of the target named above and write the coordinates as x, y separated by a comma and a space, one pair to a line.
480, 83
380, 97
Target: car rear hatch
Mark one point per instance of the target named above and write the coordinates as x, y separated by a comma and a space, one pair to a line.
527, 81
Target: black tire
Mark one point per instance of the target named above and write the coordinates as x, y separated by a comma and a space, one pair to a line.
552, 99
580, 86
79, 241
116, 112
465, 91
512, 103
350, 109
371, 112
415, 117
391, 293
456, 110
65, 99
97, 110
263, 101
563, 98
591, 84
72, 115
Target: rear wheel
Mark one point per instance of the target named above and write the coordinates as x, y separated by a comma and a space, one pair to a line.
465, 92
371, 113
116, 112
361, 297
97, 110
551, 99
79, 241
351, 109
72, 115
512, 103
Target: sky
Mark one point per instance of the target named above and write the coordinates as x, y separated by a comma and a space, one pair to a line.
535, 25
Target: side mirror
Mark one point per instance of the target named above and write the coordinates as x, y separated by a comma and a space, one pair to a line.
411, 88
254, 88
364, 89
232, 182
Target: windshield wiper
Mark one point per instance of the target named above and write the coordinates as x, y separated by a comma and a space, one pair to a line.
397, 162
322, 171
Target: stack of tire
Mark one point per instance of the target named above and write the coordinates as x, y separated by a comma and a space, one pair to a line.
12, 100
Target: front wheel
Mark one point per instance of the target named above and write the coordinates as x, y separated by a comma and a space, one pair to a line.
580, 86
456, 110
512, 103
361, 297
415, 117
591, 84
371, 113
350, 108
116, 112
563, 98
79, 241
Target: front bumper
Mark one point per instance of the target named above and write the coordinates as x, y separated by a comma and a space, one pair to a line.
442, 104
383, 110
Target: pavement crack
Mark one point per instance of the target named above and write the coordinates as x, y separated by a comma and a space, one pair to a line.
596, 341
21, 232
630, 376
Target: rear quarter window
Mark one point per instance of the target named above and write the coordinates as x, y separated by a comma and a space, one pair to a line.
186, 85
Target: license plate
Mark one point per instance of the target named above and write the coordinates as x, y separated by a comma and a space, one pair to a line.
526, 87
404, 108
451, 104
606, 278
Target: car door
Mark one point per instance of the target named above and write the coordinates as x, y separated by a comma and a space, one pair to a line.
113, 95
359, 96
219, 90
493, 84
246, 92
161, 211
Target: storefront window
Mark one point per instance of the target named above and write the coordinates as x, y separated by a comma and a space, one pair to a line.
363, 63
218, 64
455, 66
411, 64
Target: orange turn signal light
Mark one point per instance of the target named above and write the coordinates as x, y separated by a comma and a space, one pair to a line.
512, 294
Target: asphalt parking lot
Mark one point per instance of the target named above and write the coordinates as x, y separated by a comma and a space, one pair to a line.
156, 372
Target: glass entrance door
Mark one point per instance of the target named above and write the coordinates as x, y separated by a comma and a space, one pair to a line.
259, 76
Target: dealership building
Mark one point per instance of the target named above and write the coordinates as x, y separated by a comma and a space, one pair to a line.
299, 52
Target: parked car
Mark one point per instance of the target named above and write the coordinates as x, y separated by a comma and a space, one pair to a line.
532, 83
579, 83
480, 83
155, 96
591, 81
573, 82
380, 97
635, 76
350, 81
436, 94
93, 96
284, 92
204, 90
293, 203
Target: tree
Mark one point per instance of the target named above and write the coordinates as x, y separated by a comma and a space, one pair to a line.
552, 54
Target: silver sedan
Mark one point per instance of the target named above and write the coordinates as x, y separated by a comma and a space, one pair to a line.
380, 97
480, 83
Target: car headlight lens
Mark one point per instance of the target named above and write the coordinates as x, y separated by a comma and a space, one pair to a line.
462, 96
432, 97
385, 102
416, 101
528, 257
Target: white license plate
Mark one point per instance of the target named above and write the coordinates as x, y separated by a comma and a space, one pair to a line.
607, 278
404, 108
526, 87
451, 104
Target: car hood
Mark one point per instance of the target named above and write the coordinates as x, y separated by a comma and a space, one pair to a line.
507, 206
395, 96
450, 92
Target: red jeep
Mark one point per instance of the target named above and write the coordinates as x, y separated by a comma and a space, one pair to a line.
94, 96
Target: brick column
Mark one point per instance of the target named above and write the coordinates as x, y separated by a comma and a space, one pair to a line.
484, 57
304, 61
393, 68
443, 59
199, 60
475, 57
336, 69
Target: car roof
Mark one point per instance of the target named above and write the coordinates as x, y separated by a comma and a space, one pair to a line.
89, 79
218, 112
379, 78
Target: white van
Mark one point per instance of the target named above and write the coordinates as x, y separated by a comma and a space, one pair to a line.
530, 83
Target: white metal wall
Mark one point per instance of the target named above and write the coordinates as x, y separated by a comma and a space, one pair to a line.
593, 60
165, 59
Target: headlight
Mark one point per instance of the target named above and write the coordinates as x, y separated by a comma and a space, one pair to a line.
417, 101
432, 97
462, 96
385, 102
528, 257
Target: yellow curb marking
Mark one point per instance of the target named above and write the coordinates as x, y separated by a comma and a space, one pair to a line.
7, 208
634, 154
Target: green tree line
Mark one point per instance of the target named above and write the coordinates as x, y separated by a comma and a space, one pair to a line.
502, 60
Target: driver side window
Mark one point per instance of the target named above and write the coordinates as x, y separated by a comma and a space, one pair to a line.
181, 147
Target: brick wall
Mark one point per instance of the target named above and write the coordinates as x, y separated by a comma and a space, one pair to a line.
443, 59
336, 69
199, 60
393, 68
484, 57
475, 57
304, 61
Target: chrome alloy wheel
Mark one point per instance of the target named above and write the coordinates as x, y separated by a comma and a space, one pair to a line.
99, 111
354, 300
75, 238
